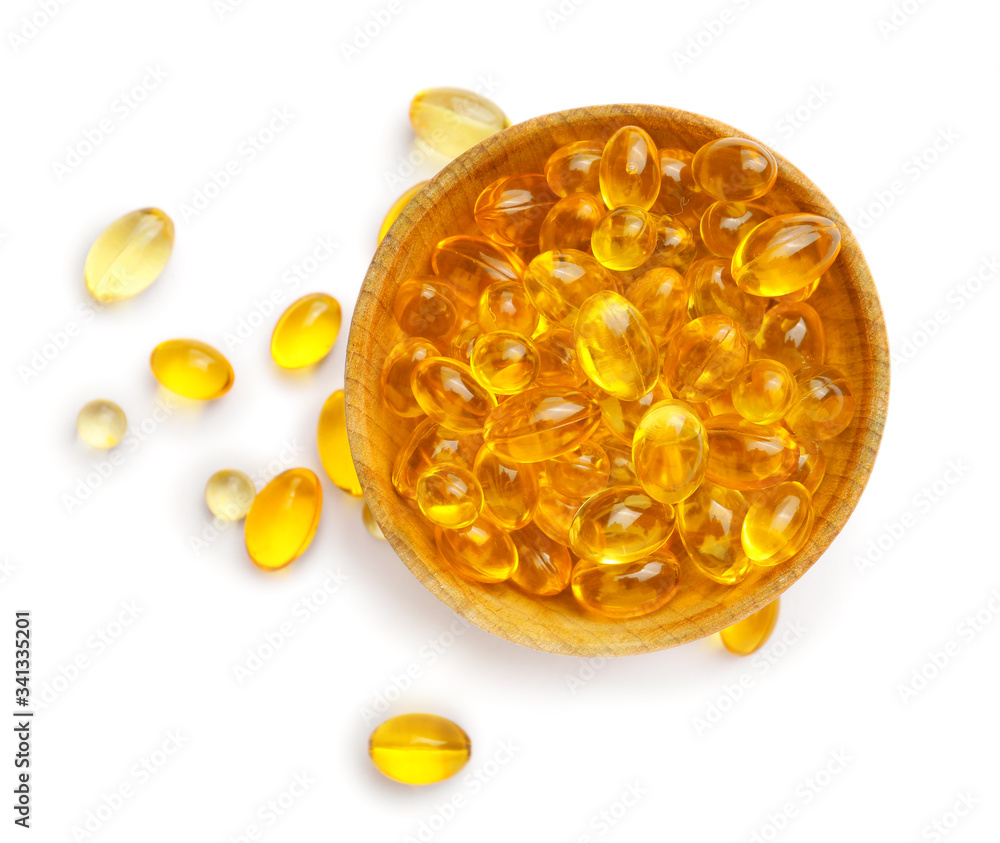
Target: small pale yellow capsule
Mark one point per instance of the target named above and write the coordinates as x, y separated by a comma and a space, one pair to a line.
129, 255
230, 494
451, 120
101, 424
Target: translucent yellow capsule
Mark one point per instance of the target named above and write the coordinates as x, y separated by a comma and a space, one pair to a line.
785, 253
626, 589
470, 264
824, 404
622, 524
558, 365
675, 246
625, 238
397, 208
541, 423
192, 369
559, 282
725, 224
543, 565
750, 634
554, 513
630, 169
714, 291
463, 342
482, 552
504, 362
452, 120
743, 455
703, 357
449, 496
622, 417
397, 371
230, 494
371, 525
793, 334
505, 306
615, 347
129, 255
670, 451
101, 424
778, 524
679, 195
306, 331
811, 466
800, 295
334, 448
734, 169
431, 444
709, 524
283, 518
661, 295
450, 394
511, 209
510, 490
581, 472
425, 306
575, 168
763, 391
419, 748
570, 223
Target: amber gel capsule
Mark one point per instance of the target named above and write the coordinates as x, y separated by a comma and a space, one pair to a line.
625, 239
482, 552
778, 524
581, 472
670, 451
630, 169
725, 224
763, 391
557, 362
129, 255
622, 524
555, 512
431, 444
703, 357
450, 394
660, 295
543, 565
675, 247
570, 223
824, 405
504, 362
419, 748
793, 334
743, 455
714, 291
811, 467
449, 496
397, 371
101, 424
785, 254
192, 369
621, 418
575, 168
510, 490
505, 306
734, 169
451, 120
558, 283
334, 449
626, 589
511, 209
425, 307
541, 423
397, 208
306, 331
470, 264
710, 525
283, 518
750, 634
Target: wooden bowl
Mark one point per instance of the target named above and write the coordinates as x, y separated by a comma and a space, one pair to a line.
856, 344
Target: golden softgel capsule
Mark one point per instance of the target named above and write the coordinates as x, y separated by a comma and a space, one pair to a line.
419, 748
482, 552
511, 210
558, 283
626, 589
129, 255
750, 634
670, 451
625, 238
734, 169
621, 524
504, 362
710, 525
334, 449
448, 392
743, 455
778, 524
575, 168
229, 494
785, 254
541, 423
543, 565
397, 208
451, 120
702, 358
101, 424
397, 372
283, 518
630, 169
306, 331
510, 490
192, 369
470, 264
449, 496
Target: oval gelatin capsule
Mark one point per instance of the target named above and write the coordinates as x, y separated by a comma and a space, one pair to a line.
282, 520
430, 444
541, 423
425, 307
555, 512
670, 451
675, 246
710, 524
229, 494
626, 589
450, 394
824, 404
763, 391
702, 358
621, 418
750, 634
625, 238
558, 283
793, 334
510, 490
778, 524
334, 448
470, 264
101, 424
661, 296
452, 120
743, 455
557, 361
785, 253
129, 255
504, 362
570, 223
505, 306
581, 472
419, 748
449, 496
306, 331
725, 224
734, 169
511, 209
802, 294
679, 192
811, 466
621, 469
575, 168
543, 565
397, 370
630, 169
615, 347
712, 290
463, 342
397, 208
621, 524
482, 552
192, 369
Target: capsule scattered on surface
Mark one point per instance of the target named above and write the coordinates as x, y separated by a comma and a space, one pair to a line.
129, 255
192, 369
750, 634
229, 494
419, 748
306, 331
452, 120
626, 589
334, 448
283, 518
101, 424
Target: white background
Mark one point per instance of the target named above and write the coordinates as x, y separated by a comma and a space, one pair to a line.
709, 760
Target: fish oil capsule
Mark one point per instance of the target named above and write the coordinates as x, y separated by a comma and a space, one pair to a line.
714, 291
334, 448
750, 634
543, 565
570, 223
425, 307
482, 552
625, 238
129, 255
622, 469
449, 393
792, 334
721, 404
703, 357
510, 490
661, 295
101, 424
557, 363
505, 306
824, 404
734, 169
452, 120
725, 224
670, 451
430, 444
621, 524
785, 253
615, 347
463, 342
470, 264
511, 209
371, 525
504, 362
306, 331
581, 472
626, 589
397, 208
541, 423
229, 494
778, 524
554, 513
630, 169
710, 524
763, 391
558, 283
575, 168
449, 496
675, 246
419, 748
283, 518
396, 372
743, 455
679, 192
622, 417
191, 369
811, 467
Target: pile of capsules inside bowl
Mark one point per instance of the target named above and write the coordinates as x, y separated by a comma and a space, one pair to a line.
618, 367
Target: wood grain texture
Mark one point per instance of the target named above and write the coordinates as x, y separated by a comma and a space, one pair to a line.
856, 344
